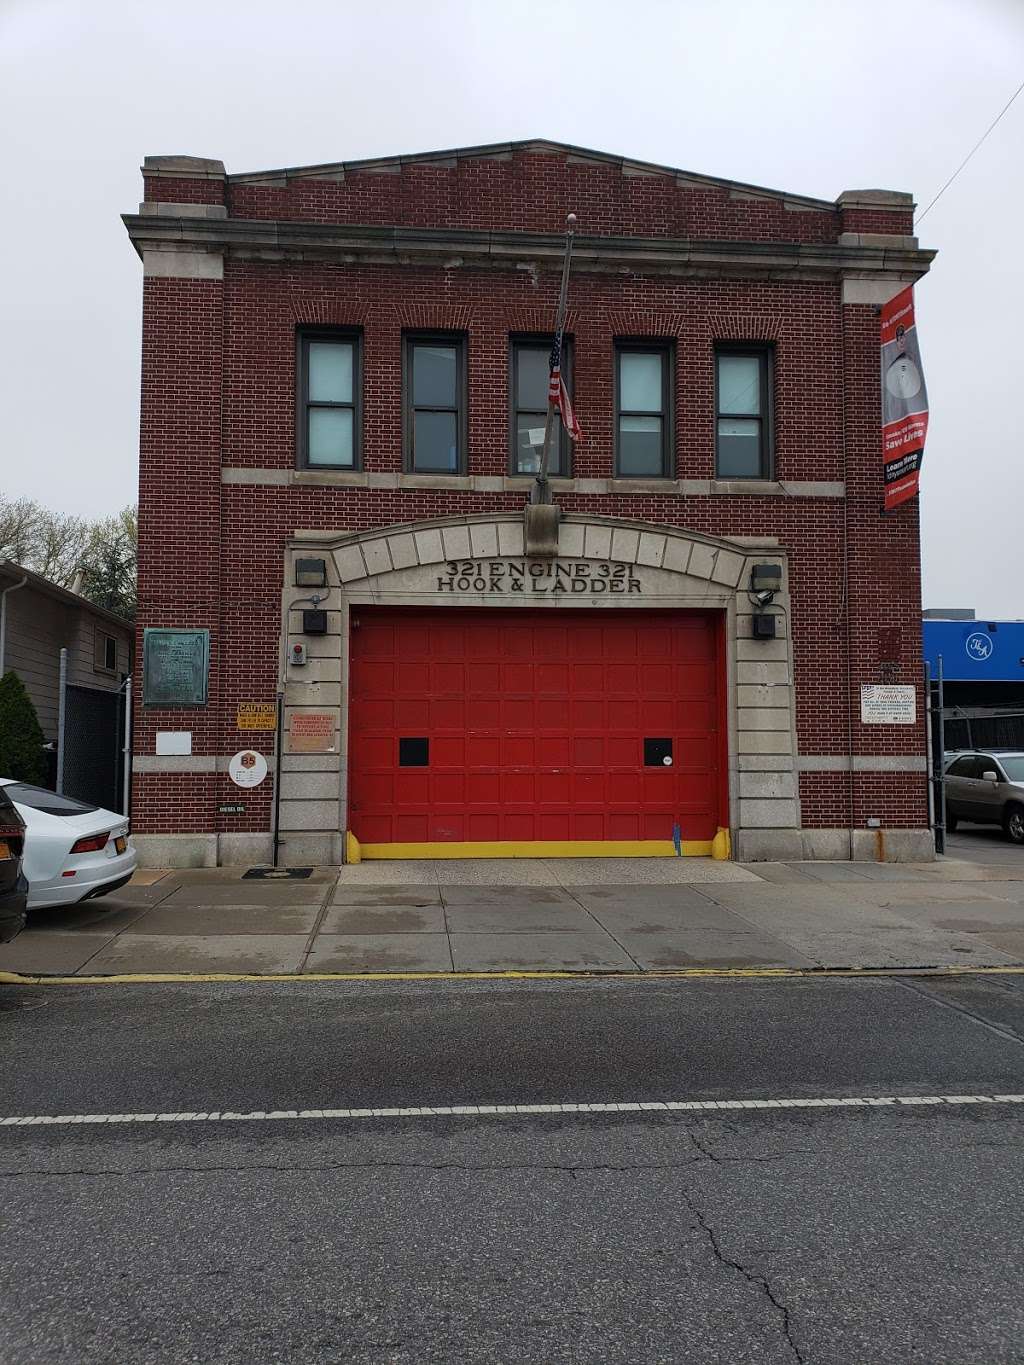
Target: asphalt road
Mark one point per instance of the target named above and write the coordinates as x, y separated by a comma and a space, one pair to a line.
816, 1235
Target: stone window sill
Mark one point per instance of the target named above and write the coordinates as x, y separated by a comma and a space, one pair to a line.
505, 483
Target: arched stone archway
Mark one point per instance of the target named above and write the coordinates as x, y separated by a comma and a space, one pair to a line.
478, 561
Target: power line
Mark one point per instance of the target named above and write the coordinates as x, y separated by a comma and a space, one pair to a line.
967, 158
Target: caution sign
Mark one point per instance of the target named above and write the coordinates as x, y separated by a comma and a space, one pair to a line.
256, 715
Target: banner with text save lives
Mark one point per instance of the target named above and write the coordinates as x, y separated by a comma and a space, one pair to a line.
904, 401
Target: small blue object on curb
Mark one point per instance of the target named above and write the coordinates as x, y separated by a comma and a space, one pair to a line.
677, 839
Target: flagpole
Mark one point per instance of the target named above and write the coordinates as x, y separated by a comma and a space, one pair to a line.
540, 492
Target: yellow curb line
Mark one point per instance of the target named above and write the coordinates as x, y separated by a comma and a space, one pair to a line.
681, 973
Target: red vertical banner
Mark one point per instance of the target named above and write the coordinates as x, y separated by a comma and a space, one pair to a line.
904, 401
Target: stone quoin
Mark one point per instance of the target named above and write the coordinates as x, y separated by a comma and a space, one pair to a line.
346, 366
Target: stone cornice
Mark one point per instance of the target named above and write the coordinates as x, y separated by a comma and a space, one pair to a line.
286, 240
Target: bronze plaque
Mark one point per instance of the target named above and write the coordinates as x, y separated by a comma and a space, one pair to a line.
311, 732
175, 667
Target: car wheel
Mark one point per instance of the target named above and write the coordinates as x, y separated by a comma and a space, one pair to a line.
951, 822
1013, 824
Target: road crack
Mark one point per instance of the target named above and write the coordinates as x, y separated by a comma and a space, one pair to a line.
752, 1277
576, 1170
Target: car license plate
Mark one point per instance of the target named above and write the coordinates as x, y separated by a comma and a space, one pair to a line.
5, 849
121, 843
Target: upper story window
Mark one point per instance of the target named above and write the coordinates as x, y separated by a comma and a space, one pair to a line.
329, 417
530, 362
643, 436
105, 653
435, 404
743, 435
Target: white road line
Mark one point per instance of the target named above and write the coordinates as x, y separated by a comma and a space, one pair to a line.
504, 1110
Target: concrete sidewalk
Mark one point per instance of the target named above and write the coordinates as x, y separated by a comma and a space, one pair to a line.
629, 915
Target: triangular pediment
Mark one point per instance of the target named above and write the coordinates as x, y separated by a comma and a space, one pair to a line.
451, 158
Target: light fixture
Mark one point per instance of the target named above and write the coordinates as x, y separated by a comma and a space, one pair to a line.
311, 573
765, 582
765, 578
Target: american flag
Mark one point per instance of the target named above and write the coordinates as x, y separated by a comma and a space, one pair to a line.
558, 394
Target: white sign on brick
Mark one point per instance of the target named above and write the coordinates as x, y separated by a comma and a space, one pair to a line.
175, 742
882, 704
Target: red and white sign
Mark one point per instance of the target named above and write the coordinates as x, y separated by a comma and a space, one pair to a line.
904, 401
247, 768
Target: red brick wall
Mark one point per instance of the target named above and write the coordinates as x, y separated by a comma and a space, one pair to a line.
218, 387
265, 303
899, 222
532, 192
179, 189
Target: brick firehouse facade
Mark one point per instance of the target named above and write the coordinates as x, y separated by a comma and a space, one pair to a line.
344, 376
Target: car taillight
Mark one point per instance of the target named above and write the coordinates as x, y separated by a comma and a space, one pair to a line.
10, 843
92, 844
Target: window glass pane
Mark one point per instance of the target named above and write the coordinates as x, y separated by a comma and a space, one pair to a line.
330, 372
640, 449
435, 445
37, 798
739, 449
739, 383
533, 375
330, 436
434, 376
640, 387
528, 455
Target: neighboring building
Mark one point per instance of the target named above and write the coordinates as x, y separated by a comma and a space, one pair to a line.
983, 678
39, 619
341, 364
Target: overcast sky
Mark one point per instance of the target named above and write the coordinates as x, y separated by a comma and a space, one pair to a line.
810, 96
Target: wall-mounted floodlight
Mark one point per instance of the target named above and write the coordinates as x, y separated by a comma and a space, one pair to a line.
765, 582
766, 578
311, 573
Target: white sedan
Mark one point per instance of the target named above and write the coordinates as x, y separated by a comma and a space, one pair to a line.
73, 851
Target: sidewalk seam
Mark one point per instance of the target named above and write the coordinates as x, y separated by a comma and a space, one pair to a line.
321, 915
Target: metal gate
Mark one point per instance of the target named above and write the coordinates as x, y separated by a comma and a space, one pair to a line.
93, 759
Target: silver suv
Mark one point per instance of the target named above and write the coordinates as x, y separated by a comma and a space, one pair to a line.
988, 789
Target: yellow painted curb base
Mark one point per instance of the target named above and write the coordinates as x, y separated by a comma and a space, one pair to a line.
721, 846
353, 851
541, 848
670, 974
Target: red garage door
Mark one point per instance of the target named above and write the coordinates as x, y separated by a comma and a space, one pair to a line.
534, 725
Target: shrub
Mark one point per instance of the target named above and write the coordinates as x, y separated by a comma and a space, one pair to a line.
21, 739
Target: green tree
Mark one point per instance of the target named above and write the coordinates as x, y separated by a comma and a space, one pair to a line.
51, 544
21, 739
98, 559
110, 563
